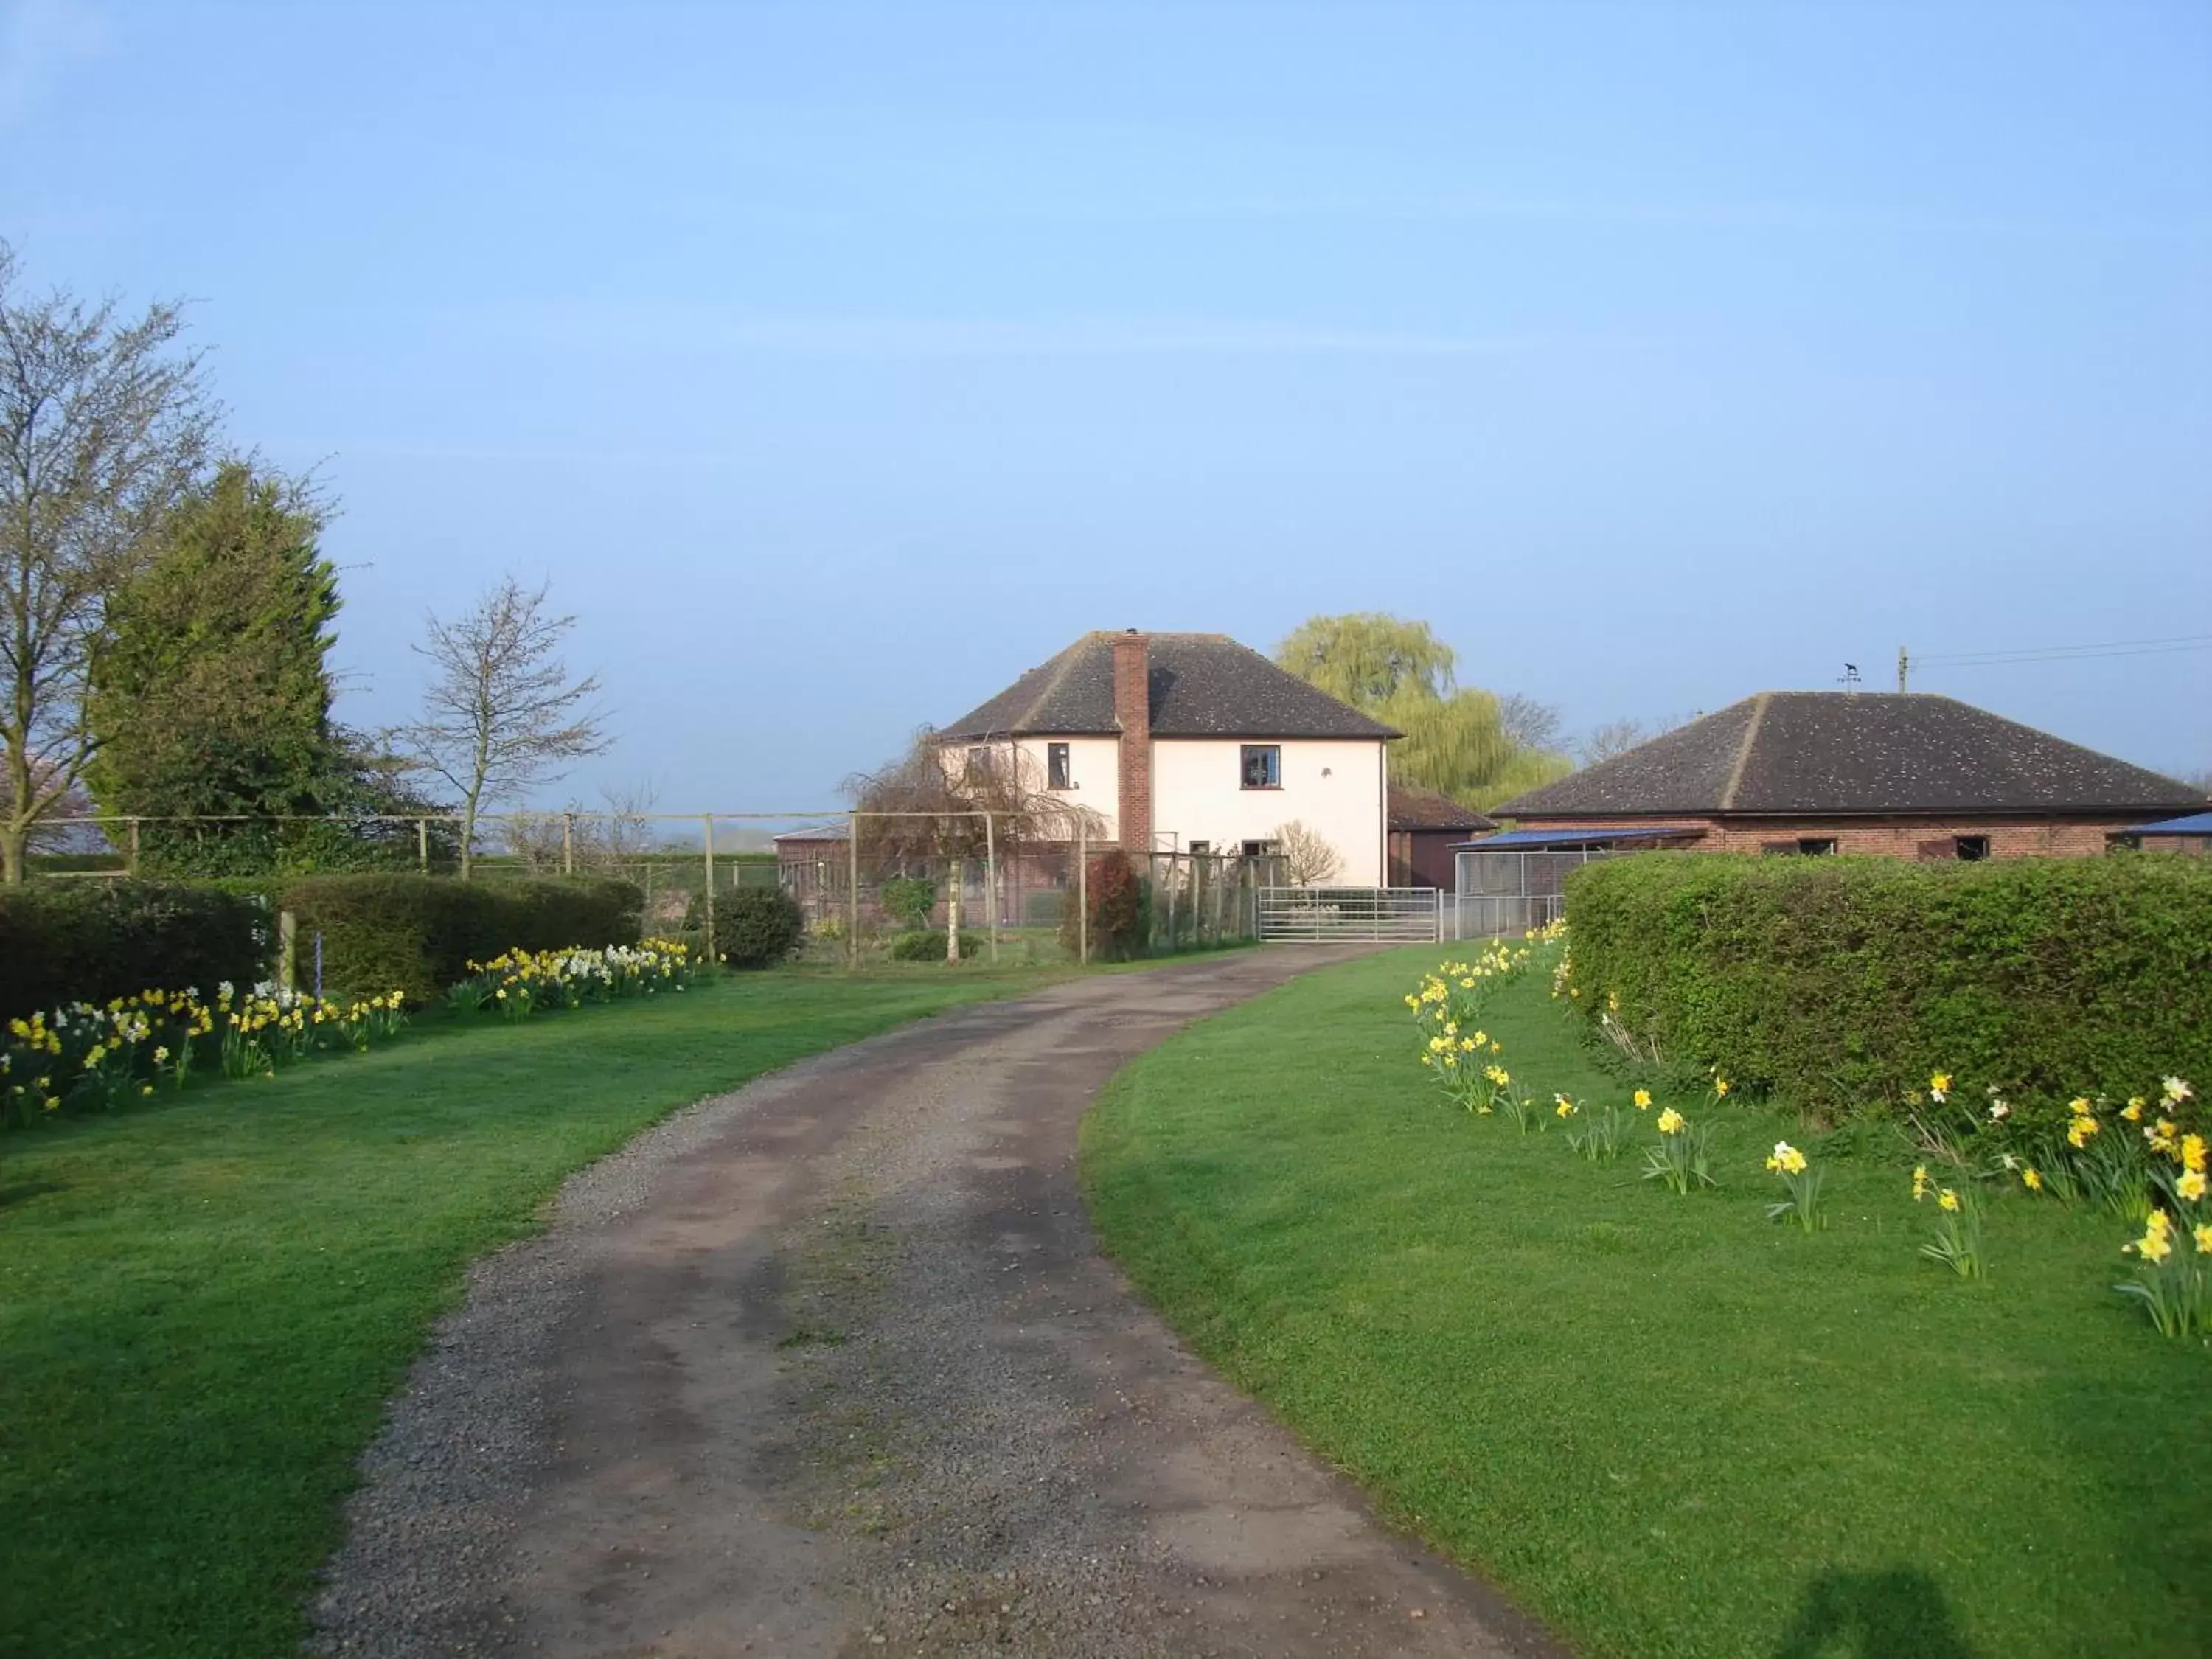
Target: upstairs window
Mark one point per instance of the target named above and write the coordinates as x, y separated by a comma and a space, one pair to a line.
979, 764
1971, 848
1261, 765
1055, 766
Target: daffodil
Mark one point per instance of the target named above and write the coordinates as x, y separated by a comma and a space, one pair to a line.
2191, 1185
1642, 1099
1786, 1159
1946, 1199
2031, 1179
1672, 1122
1920, 1184
1939, 1087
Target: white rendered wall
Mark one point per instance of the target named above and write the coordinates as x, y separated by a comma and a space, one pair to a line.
1334, 787
1093, 768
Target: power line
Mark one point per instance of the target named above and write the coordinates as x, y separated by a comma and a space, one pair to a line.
2156, 648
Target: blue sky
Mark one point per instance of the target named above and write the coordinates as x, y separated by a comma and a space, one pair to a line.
836, 363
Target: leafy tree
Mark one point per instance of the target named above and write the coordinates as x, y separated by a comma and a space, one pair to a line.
210, 696
1456, 738
104, 427
501, 714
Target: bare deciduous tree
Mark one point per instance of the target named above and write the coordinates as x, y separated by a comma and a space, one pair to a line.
1528, 722
928, 799
103, 427
1613, 738
501, 716
1309, 858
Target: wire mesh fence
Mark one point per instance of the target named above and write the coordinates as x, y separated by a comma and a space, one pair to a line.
861, 889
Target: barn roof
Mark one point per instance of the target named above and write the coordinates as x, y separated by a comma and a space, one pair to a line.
1842, 752
1412, 808
1202, 685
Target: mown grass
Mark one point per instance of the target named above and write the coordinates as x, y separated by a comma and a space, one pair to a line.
204, 1305
1665, 1425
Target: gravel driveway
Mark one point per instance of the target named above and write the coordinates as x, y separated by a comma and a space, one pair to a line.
832, 1366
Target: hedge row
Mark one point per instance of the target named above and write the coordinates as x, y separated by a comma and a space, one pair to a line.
63, 942
1841, 984
419, 934
91, 941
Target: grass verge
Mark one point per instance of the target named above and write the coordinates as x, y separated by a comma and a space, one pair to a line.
203, 1305
1665, 1425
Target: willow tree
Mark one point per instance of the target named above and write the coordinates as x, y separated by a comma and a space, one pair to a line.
1458, 739
104, 427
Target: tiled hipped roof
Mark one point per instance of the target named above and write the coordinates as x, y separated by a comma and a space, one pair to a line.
1815, 752
1201, 685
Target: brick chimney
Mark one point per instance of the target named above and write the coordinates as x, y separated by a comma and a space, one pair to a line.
1133, 712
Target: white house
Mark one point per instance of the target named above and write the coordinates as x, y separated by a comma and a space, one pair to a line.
1191, 743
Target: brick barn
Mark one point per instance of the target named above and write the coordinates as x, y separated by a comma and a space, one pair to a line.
1895, 775
1424, 826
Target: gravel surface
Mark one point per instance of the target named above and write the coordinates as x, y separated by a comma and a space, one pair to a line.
832, 1366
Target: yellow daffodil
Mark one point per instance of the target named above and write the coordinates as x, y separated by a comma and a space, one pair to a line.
2192, 1153
1672, 1122
1946, 1199
1786, 1159
2203, 1237
2133, 1110
1920, 1184
2079, 1130
2191, 1185
1566, 1107
1642, 1099
1939, 1087
2031, 1179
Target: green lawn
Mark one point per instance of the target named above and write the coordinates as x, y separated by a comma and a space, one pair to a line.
203, 1306
1663, 1424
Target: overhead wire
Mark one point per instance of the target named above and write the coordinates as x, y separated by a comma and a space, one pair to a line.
2152, 647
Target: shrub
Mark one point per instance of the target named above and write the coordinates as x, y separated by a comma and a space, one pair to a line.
1843, 983
927, 945
1120, 911
754, 926
418, 934
92, 941
908, 901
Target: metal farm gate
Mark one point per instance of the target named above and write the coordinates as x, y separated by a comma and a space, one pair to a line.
1331, 915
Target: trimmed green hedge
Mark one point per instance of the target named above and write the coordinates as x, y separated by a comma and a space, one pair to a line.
1841, 984
419, 934
754, 926
91, 941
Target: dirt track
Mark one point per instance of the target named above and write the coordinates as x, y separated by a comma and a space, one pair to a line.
832, 1366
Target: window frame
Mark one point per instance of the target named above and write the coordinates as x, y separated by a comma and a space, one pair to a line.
1059, 767
1979, 843
1245, 754
1816, 847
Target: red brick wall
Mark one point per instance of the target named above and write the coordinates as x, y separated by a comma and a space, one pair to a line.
1133, 712
1901, 838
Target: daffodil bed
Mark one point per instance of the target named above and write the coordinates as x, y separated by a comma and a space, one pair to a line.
203, 1305
1661, 1421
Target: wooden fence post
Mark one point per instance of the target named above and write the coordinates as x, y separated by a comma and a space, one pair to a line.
852, 888
422, 844
567, 843
959, 878
1083, 893
132, 865
287, 954
991, 884
707, 831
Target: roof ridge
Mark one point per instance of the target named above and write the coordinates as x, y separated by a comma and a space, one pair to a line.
1743, 750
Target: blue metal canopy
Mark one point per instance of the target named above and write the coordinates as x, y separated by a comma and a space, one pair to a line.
2197, 824
1530, 840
